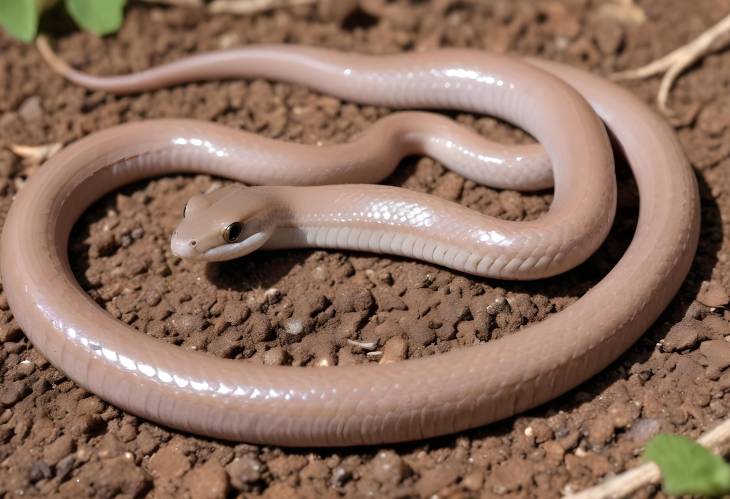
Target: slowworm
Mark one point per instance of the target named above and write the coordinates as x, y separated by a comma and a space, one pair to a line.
365, 404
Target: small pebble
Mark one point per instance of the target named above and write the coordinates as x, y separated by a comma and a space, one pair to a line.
352, 299
495, 303
389, 468
276, 356
208, 481
541, 431
643, 429
385, 277
86, 424
473, 481
272, 295
14, 392
325, 360
186, 324
421, 334
24, 369
717, 353
623, 414
320, 274
600, 430
259, 327
235, 312
245, 471
170, 461
712, 294
682, 336
41, 386
553, 450
394, 350
388, 301
717, 326
340, 476
293, 327
10, 332
110, 447
31, 109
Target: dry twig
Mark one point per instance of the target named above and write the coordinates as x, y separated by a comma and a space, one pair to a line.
677, 61
622, 10
253, 6
625, 484
177, 3
35, 154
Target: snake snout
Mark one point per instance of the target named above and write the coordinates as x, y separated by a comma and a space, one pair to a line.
184, 248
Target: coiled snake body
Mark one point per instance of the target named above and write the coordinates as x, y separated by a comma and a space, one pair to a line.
365, 404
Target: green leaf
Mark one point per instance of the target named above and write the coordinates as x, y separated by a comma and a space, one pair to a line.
19, 18
97, 16
687, 467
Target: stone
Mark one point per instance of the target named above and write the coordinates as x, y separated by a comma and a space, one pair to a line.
186, 324
31, 109
276, 356
353, 299
553, 450
600, 430
394, 350
389, 468
340, 476
473, 481
713, 294
717, 353
170, 461
208, 481
245, 471
235, 312
682, 336
643, 430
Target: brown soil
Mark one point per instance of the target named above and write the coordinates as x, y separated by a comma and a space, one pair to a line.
313, 307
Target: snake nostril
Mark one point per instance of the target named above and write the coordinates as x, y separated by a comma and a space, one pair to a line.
193, 243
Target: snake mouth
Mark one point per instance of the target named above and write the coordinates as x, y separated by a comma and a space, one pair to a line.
186, 249
235, 250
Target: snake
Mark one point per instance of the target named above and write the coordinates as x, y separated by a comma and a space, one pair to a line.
300, 196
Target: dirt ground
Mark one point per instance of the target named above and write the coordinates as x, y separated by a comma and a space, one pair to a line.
317, 308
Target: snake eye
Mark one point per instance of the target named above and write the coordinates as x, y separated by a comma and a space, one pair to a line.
232, 232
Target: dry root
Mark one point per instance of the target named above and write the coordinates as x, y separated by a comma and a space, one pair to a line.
177, 3
234, 6
253, 6
675, 62
625, 484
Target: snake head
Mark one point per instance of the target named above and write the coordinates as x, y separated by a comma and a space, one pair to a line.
228, 223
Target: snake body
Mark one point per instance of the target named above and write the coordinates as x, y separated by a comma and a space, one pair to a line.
368, 404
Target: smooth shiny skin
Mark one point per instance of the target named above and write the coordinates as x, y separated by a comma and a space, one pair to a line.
363, 404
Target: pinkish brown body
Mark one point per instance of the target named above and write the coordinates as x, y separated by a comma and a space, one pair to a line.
366, 404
